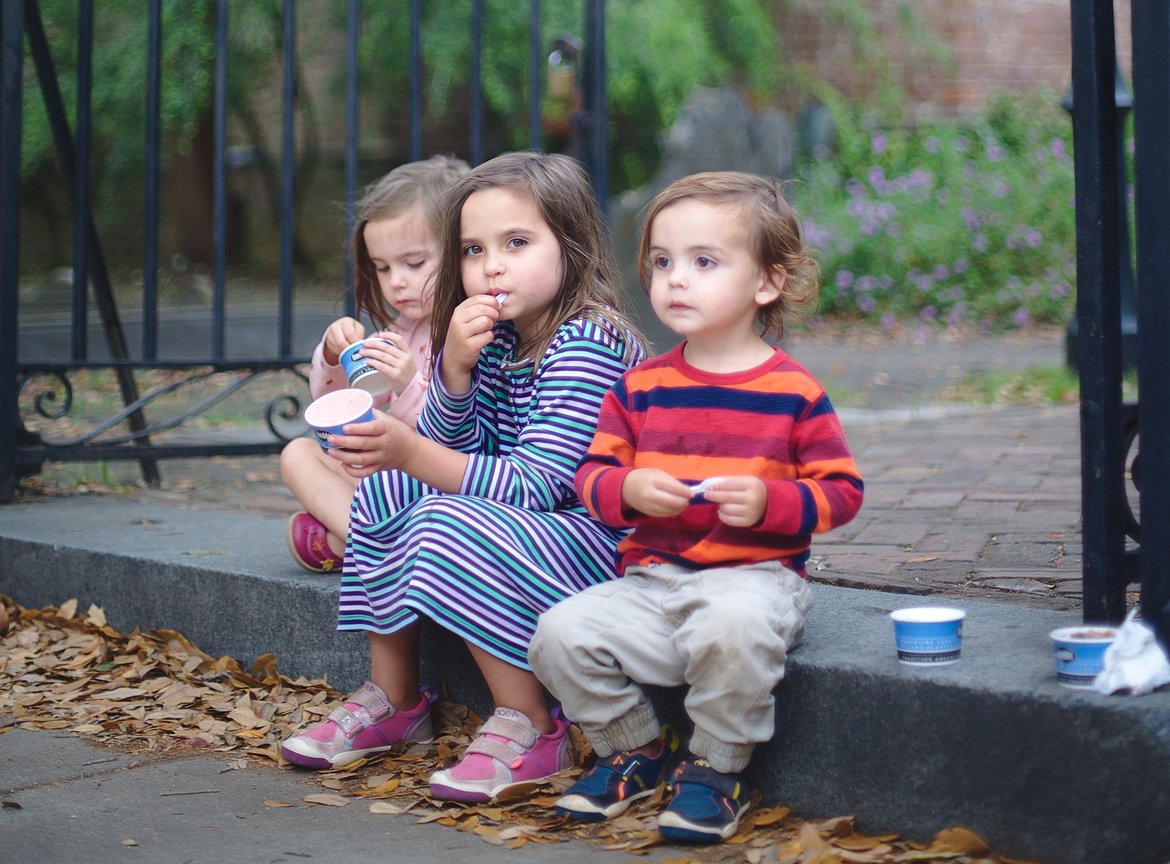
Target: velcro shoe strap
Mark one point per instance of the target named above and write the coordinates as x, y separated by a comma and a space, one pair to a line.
703, 775
368, 709
496, 749
521, 733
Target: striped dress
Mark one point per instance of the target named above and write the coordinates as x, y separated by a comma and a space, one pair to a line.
485, 562
774, 422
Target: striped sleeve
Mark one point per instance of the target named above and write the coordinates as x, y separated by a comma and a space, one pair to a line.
580, 366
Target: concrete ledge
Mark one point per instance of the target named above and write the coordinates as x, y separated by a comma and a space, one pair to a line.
992, 743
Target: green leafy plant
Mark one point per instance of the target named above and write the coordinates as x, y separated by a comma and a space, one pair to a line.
950, 223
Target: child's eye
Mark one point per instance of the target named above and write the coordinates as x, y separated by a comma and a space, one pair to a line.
703, 262
472, 249
516, 243
381, 268
660, 262
417, 265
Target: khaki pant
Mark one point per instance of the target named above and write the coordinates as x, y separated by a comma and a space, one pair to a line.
725, 632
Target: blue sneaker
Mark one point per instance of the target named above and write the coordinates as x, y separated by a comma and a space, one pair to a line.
617, 781
706, 806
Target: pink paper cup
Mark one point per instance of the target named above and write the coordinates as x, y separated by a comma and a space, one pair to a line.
329, 414
358, 371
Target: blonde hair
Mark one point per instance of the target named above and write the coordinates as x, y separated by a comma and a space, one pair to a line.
560, 189
774, 237
422, 184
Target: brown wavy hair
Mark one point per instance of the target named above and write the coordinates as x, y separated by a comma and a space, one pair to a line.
423, 184
774, 238
559, 187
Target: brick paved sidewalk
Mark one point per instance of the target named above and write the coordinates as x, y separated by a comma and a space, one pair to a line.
970, 503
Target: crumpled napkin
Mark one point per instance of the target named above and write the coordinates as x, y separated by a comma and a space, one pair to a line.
1134, 662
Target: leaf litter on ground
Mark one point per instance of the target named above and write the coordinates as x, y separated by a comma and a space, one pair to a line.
156, 692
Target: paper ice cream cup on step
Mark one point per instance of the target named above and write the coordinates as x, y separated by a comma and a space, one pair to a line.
329, 414
928, 635
358, 371
1079, 653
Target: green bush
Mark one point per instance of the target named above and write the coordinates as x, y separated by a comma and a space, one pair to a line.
951, 223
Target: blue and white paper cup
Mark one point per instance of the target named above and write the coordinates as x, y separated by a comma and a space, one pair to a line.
1079, 653
358, 371
329, 414
928, 635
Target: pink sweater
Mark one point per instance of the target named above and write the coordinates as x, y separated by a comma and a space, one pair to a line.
324, 378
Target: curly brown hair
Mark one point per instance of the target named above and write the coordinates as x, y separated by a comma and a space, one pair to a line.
774, 237
422, 184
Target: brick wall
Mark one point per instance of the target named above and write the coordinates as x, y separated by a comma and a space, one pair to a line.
958, 55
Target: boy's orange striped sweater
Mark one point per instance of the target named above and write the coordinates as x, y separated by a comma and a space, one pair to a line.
774, 422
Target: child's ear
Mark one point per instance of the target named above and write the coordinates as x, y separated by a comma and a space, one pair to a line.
771, 286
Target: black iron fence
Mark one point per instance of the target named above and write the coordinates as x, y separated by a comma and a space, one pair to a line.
45, 387
1110, 429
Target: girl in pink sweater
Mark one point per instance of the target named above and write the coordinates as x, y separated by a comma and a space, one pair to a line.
394, 249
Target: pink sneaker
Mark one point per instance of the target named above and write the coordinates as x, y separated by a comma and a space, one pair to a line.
507, 755
308, 546
366, 725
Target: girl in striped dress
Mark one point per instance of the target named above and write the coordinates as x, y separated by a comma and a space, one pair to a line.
472, 520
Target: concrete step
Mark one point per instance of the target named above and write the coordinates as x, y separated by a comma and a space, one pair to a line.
992, 743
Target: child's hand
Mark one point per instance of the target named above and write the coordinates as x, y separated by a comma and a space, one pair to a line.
469, 333
741, 500
654, 492
340, 335
377, 445
395, 361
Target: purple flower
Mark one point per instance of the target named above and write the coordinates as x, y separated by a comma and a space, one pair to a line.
1033, 238
866, 303
1057, 148
941, 271
960, 266
889, 322
879, 144
979, 242
1060, 290
932, 144
927, 313
844, 279
1020, 317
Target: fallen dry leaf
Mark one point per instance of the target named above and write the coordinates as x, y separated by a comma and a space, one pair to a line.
326, 799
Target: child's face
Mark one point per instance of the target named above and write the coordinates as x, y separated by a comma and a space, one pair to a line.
508, 248
705, 281
404, 255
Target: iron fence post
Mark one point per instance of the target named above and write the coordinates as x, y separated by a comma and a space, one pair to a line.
11, 99
1151, 63
1098, 311
1122, 102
